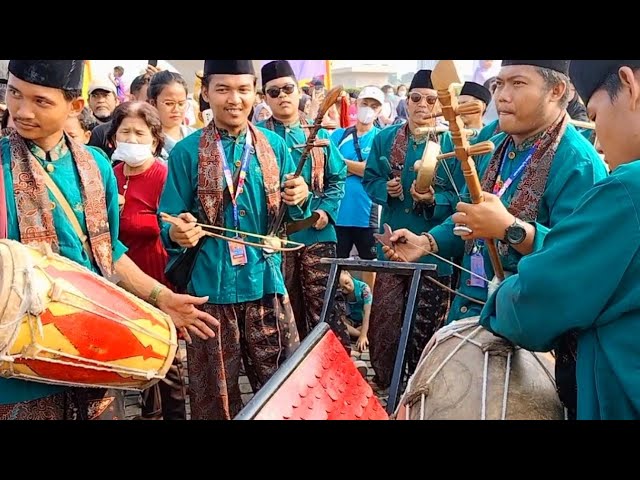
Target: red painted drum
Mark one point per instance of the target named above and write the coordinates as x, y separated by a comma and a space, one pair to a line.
62, 324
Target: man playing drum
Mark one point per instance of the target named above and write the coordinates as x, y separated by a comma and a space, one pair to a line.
539, 171
38, 157
534, 309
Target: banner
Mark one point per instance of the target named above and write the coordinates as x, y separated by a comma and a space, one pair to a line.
307, 70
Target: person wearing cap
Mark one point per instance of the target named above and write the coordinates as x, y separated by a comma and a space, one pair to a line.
324, 172
388, 180
534, 309
103, 99
474, 92
540, 169
358, 218
41, 95
244, 284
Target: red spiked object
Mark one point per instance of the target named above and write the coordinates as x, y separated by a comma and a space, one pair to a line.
325, 386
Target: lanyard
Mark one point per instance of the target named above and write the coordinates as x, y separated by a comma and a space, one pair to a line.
246, 154
500, 188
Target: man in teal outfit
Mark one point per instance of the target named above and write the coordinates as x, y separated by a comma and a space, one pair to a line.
597, 296
324, 172
229, 175
41, 95
474, 92
388, 180
541, 168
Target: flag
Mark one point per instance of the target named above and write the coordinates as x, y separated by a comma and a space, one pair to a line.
307, 70
86, 79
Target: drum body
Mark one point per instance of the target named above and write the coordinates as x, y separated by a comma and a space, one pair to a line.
62, 324
467, 373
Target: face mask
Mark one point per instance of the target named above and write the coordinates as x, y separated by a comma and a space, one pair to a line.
133, 154
366, 115
402, 94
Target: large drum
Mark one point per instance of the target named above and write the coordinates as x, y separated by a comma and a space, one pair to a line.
62, 324
467, 373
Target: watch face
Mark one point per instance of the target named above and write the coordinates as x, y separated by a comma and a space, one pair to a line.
516, 234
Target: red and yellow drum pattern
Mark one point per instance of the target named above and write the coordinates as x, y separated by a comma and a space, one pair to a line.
104, 335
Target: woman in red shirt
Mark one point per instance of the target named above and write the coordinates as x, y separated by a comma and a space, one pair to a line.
136, 131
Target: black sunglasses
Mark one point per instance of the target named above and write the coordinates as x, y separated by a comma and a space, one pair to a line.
416, 97
274, 92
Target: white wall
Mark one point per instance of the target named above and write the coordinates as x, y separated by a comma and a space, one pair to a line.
465, 67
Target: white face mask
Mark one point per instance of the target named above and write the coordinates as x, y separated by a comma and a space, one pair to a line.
366, 115
133, 154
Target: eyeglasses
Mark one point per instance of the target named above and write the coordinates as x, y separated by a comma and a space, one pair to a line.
179, 105
274, 92
416, 97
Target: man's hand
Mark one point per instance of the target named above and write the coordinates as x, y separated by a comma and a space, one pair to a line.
296, 190
407, 246
427, 198
323, 221
394, 188
185, 232
488, 219
185, 316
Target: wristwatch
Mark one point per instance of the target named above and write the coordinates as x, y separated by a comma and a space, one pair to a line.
515, 234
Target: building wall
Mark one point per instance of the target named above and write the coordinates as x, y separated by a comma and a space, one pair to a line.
359, 79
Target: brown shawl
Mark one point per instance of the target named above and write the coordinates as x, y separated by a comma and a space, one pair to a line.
34, 204
210, 174
317, 156
526, 199
399, 149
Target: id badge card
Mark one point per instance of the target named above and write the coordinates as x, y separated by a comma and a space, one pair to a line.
477, 267
238, 253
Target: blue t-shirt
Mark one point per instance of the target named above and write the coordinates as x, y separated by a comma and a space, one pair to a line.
356, 208
363, 296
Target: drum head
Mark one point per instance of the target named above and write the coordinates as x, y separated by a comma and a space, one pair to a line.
12, 260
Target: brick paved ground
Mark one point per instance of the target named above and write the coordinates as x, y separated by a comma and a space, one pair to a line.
133, 405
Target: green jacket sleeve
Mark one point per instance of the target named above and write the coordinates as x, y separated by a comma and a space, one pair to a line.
335, 176
554, 293
376, 174
287, 166
178, 195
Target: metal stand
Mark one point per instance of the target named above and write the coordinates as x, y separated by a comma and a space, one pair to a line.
416, 270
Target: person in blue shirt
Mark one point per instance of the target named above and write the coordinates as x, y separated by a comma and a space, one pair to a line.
358, 299
358, 215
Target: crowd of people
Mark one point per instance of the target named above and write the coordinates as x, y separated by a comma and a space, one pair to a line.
224, 155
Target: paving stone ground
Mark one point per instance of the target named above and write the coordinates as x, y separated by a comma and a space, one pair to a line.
132, 400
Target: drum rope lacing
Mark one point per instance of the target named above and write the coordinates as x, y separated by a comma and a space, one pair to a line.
453, 330
32, 306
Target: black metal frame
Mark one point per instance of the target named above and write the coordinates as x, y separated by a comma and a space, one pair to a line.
416, 270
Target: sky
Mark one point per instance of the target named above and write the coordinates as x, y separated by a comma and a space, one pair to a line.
402, 66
